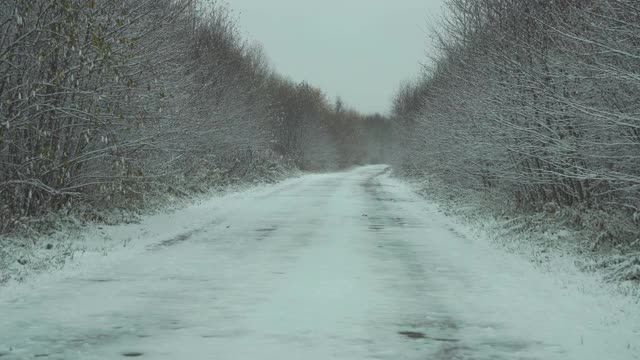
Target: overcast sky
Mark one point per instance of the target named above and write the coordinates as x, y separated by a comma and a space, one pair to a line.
357, 49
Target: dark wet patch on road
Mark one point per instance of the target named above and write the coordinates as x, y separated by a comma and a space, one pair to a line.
3, 353
494, 349
459, 234
416, 335
173, 241
100, 280
265, 232
132, 354
176, 325
380, 198
440, 330
267, 229
442, 339
378, 223
413, 334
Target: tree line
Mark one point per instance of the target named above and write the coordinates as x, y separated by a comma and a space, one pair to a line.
534, 100
104, 104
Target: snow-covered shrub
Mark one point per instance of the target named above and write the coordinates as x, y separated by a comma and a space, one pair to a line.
535, 101
108, 104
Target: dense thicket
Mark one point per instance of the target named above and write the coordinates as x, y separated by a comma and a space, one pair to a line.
536, 100
103, 103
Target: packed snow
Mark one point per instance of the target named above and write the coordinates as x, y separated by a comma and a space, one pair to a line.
350, 265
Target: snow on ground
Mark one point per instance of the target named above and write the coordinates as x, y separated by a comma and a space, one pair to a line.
350, 265
30, 252
78, 249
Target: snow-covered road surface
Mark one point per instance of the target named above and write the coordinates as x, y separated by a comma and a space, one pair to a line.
349, 265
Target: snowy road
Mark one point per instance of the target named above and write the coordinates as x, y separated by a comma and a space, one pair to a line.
339, 266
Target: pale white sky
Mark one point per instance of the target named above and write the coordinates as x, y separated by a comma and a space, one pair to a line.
358, 49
